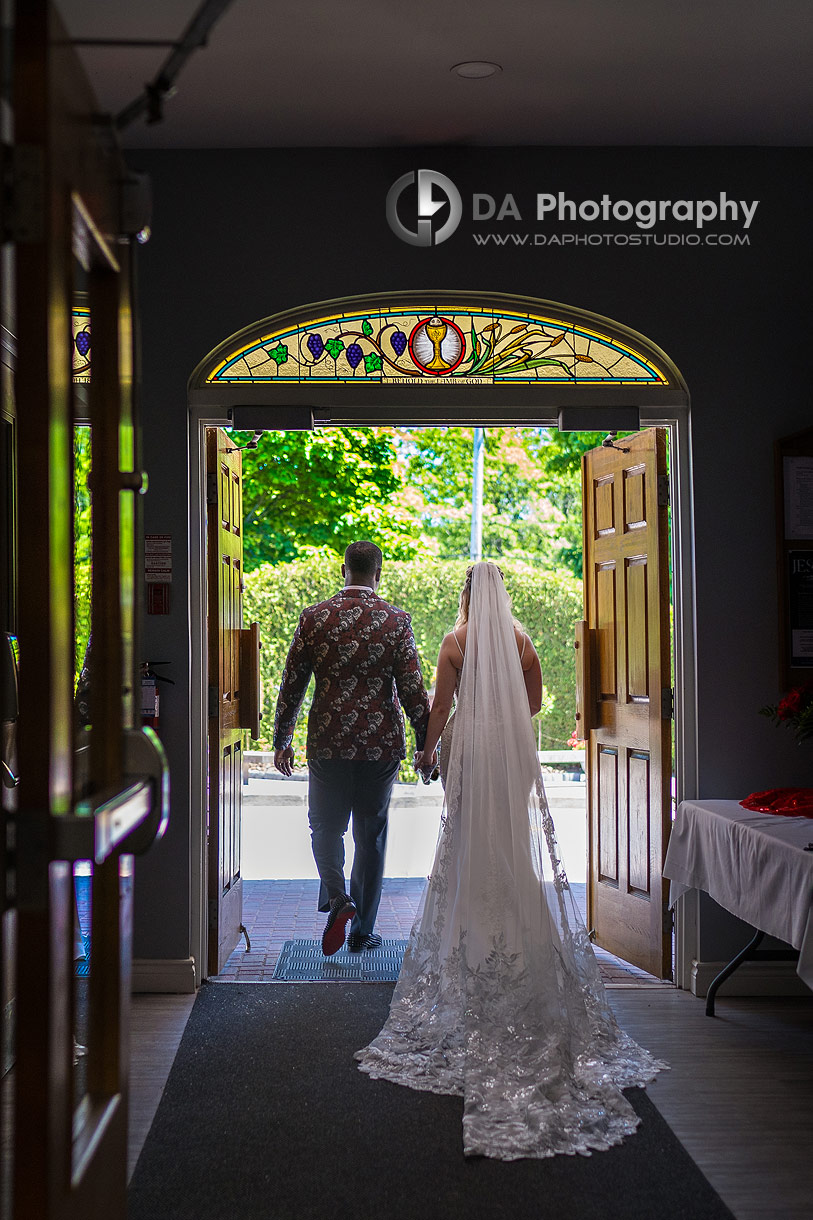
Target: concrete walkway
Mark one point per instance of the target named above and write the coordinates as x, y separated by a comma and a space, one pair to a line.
276, 838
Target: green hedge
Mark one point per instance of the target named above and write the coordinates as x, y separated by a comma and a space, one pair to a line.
547, 604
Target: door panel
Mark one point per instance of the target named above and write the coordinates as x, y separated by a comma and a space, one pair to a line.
604, 508
608, 816
225, 580
638, 786
637, 629
605, 625
634, 498
626, 638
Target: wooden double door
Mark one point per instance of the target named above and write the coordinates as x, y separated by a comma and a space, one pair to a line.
233, 693
624, 692
625, 696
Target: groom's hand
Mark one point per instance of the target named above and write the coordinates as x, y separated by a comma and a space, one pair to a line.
283, 760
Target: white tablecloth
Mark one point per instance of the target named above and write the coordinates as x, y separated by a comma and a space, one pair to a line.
753, 864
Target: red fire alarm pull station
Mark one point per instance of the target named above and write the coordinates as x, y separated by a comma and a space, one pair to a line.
158, 572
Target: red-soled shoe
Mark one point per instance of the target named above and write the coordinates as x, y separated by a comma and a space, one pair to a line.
342, 910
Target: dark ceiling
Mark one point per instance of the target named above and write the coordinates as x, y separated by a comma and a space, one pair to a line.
313, 73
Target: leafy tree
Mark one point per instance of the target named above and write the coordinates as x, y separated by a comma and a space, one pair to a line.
560, 456
409, 490
517, 520
322, 490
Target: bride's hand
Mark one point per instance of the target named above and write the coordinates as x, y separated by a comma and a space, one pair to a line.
424, 762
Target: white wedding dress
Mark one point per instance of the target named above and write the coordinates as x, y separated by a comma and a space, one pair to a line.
499, 998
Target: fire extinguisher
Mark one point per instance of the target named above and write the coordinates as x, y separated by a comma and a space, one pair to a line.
150, 694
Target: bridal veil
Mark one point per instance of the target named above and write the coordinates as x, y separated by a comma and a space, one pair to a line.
499, 999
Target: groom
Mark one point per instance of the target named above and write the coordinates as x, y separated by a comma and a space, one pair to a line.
362, 653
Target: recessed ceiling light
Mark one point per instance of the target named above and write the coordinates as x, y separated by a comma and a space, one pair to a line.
476, 69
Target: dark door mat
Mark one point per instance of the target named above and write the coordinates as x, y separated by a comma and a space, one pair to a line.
266, 1116
302, 961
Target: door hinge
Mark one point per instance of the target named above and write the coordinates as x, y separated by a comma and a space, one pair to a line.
211, 489
23, 193
663, 491
214, 702
667, 703
212, 914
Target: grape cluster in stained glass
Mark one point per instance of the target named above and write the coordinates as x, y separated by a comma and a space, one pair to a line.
315, 345
80, 320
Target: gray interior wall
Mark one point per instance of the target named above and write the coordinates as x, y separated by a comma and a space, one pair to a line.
240, 235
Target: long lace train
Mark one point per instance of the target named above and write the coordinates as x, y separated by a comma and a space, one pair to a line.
499, 999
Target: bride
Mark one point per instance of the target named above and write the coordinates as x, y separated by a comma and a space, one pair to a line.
499, 998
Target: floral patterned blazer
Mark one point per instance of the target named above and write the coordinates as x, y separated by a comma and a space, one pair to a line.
362, 653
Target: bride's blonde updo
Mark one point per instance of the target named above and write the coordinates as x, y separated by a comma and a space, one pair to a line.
465, 596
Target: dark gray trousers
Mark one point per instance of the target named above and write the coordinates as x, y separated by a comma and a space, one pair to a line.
338, 788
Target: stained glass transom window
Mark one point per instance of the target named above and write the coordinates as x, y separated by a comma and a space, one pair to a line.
472, 346
80, 319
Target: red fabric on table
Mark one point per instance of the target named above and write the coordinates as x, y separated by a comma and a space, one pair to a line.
789, 802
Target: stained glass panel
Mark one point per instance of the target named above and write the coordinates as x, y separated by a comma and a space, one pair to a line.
80, 317
464, 346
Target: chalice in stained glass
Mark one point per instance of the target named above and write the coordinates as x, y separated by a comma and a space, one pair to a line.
436, 330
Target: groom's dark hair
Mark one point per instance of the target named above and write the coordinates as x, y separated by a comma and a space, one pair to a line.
363, 558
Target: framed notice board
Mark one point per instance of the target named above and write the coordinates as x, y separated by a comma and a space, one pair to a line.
794, 483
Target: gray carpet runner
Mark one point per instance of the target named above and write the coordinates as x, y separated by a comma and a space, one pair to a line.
265, 1116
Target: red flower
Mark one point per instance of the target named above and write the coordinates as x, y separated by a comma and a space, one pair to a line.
796, 710
792, 703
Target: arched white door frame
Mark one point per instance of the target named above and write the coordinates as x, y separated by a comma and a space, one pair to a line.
535, 405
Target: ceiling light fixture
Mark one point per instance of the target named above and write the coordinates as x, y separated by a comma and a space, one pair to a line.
476, 69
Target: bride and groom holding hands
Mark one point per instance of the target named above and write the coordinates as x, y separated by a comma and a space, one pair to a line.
499, 998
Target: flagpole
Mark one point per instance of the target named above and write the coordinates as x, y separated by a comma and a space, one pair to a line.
476, 547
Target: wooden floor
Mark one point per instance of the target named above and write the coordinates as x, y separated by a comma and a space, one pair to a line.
739, 1092
158, 1022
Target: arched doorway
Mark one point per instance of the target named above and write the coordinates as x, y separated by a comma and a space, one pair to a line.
443, 357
